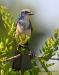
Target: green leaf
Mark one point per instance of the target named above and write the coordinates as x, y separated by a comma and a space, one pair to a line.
6, 26
23, 36
10, 42
9, 52
20, 73
4, 40
10, 69
51, 64
26, 73
27, 38
7, 40
55, 43
41, 51
46, 43
30, 72
10, 48
1, 45
36, 70
34, 63
2, 72
56, 35
56, 48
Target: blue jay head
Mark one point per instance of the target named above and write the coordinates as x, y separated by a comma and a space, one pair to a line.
26, 12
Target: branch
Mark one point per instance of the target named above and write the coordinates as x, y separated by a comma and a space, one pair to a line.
8, 59
30, 54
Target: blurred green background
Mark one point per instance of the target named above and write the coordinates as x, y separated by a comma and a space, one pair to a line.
44, 21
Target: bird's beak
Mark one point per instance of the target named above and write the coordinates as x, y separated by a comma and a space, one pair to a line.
30, 13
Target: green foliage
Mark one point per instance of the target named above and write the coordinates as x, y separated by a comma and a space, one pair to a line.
48, 49
5, 47
9, 25
50, 46
7, 71
42, 61
34, 71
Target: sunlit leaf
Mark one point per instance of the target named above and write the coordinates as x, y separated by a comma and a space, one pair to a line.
7, 41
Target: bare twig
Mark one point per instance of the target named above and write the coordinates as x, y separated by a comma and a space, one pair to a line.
8, 59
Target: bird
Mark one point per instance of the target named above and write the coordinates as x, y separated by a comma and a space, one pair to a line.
23, 27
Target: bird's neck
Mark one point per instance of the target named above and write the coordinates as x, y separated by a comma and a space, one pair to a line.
27, 17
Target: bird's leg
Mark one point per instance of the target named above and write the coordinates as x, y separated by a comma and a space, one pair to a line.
31, 54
